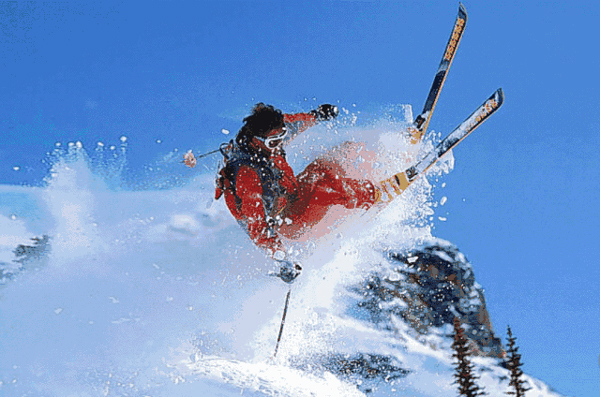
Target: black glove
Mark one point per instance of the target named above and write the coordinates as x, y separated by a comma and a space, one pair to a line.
288, 271
326, 112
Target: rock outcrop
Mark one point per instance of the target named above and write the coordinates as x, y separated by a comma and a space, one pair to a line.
427, 288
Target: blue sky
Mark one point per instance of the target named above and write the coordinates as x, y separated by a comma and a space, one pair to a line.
522, 199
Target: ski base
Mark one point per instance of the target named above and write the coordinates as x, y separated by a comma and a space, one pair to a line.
419, 126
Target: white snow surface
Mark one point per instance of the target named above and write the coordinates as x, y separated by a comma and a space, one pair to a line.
160, 293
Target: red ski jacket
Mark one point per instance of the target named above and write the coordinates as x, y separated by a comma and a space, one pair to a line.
259, 185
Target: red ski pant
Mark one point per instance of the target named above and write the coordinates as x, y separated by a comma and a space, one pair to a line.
320, 186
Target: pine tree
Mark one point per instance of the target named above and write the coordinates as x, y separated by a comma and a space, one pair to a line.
513, 363
38, 250
465, 378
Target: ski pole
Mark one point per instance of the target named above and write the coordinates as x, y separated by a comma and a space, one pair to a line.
287, 302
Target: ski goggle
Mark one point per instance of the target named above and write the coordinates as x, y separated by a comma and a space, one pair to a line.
274, 141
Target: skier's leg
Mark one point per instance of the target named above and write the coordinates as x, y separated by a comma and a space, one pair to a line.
326, 183
321, 185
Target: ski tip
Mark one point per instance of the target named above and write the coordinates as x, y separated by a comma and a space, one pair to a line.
499, 96
462, 11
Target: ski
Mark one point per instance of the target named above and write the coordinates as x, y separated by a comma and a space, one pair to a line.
390, 188
419, 126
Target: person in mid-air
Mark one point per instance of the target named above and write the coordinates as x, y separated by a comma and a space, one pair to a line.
265, 196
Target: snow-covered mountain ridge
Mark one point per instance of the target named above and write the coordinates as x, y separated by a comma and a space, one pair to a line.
159, 293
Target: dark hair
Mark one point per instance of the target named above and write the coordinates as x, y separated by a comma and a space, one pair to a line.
263, 119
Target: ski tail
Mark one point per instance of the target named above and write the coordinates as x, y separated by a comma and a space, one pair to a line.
390, 188
419, 127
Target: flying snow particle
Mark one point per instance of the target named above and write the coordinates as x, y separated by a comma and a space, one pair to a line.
442, 218
123, 139
395, 276
443, 200
16, 168
224, 131
58, 311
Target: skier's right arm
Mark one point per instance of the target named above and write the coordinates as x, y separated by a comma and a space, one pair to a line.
300, 122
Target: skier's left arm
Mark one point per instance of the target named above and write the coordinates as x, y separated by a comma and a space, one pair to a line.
253, 214
300, 122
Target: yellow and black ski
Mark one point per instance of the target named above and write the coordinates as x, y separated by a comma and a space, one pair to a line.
391, 188
419, 127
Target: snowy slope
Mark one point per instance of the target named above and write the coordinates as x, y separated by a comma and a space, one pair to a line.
159, 292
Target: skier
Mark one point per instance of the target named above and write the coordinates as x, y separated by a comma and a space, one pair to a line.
265, 196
